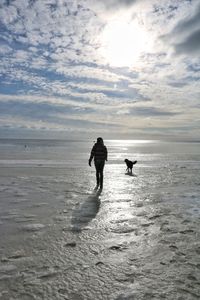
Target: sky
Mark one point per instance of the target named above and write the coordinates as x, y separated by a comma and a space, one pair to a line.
86, 68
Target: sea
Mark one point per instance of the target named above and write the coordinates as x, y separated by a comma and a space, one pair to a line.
138, 238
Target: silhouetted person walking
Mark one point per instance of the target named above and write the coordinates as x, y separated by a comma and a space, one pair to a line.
99, 153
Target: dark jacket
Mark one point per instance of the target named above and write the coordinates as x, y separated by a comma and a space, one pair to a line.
99, 152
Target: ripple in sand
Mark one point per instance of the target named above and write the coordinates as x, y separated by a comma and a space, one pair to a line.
153, 217
25, 218
123, 229
5, 278
118, 247
126, 296
63, 291
20, 200
48, 275
74, 296
7, 268
173, 247
10, 217
17, 254
71, 244
20, 194
39, 205
26, 296
60, 218
33, 227
146, 224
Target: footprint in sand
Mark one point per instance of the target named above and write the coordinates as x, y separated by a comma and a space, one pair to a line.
33, 227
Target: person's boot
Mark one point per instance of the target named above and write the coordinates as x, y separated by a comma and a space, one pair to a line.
101, 183
97, 185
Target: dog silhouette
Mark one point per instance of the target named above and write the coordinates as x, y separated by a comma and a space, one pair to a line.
130, 164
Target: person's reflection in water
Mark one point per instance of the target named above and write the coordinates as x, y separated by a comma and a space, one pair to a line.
100, 155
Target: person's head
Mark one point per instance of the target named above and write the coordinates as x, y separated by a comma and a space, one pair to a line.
99, 140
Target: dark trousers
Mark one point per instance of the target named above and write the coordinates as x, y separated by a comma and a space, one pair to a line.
99, 165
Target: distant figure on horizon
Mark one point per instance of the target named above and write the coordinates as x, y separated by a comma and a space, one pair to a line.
100, 155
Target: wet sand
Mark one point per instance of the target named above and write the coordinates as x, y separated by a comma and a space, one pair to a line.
137, 239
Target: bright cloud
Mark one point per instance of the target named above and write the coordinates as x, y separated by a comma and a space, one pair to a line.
124, 67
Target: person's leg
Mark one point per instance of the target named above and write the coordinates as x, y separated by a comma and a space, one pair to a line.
97, 173
97, 177
101, 179
101, 174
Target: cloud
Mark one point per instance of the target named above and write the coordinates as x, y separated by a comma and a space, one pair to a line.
185, 35
53, 75
50, 114
189, 24
113, 4
145, 112
191, 45
152, 112
5, 49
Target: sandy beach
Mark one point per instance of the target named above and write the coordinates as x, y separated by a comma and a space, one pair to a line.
137, 239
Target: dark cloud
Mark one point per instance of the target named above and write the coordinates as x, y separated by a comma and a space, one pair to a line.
171, 129
151, 111
46, 112
187, 33
195, 68
113, 4
178, 84
37, 111
189, 24
189, 29
190, 45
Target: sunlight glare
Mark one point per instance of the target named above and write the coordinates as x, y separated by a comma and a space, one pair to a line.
123, 43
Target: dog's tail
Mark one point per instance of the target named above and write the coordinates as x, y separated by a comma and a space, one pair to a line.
134, 162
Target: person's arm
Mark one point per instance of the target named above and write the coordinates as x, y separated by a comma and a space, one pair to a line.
106, 153
91, 156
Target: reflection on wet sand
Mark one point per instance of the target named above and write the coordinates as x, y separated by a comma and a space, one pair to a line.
138, 239
131, 174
